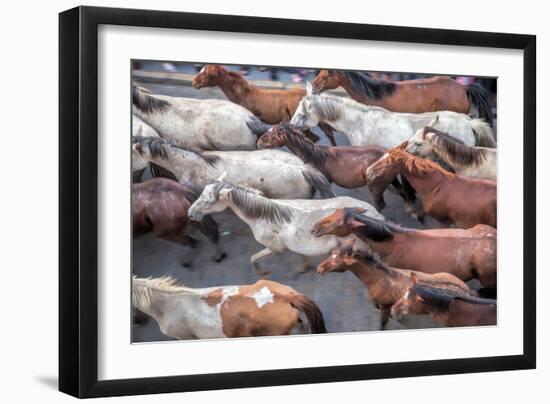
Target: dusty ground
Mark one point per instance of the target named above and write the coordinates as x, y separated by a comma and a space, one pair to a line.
342, 298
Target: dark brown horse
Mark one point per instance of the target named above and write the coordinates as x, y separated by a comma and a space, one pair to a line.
270, 105
386, 285
445, 305
160, 206
437, 93
447, 197
467, 254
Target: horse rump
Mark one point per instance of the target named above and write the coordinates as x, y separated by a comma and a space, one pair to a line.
312, 312
479, 98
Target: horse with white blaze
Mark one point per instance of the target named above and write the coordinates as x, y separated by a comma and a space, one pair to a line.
278, 225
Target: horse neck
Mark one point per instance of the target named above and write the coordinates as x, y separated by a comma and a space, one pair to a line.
422, 183
251, 222
346, 84
156, 303
305, 151
369, 274
235, 88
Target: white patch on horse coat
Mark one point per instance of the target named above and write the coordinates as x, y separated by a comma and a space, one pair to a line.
262, 297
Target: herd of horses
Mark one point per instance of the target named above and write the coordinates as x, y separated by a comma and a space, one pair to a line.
416, 138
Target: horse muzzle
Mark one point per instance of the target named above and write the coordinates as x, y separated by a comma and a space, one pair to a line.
195, 215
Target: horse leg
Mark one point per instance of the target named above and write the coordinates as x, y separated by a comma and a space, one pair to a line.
209, 228
329, 132
266, 252
306, 264
385, 312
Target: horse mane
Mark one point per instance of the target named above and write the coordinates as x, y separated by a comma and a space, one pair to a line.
376, 229
455, 150
331, 107
417, 165
363, 83
148, 104
372, 260
314, 153
253, 205
142, 288
159, 148
440, 299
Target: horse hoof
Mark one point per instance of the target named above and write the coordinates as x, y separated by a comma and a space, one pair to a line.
219, 257
186, 264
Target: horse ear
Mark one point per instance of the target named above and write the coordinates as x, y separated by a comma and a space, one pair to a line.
434, 122
309, 88
222, 177
414, 278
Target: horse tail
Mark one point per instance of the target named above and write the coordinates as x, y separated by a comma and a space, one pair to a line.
483, 133
318, 182
479, 98
161, 172
312, 312
257, 126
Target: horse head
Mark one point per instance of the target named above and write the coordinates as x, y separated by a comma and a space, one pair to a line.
213, 199
339, 260
325, 80
209, 76
273, 138
339, 223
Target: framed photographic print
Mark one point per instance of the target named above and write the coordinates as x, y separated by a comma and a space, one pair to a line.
251, 201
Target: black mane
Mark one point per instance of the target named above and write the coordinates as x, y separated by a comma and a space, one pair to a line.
374, 229
158, 148
312, 153
368, 86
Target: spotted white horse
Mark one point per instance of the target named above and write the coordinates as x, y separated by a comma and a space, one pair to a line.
263, 308
277, 224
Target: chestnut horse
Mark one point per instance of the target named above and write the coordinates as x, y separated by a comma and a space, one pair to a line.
439, 93
466, 254
346, 166
160, 205
270, 105
464, 160
386, 285
447, 197
446, 306
263, 308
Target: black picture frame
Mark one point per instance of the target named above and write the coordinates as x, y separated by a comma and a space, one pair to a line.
78, 201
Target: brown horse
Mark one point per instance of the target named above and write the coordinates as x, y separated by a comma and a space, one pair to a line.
386, 285
466, 254
447, 197
437, 93
346, 166
270, 105
263, 308
160, 206
446, 306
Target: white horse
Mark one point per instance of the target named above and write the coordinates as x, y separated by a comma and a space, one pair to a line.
273, 173
278, 225
264, 308
199, 124
466, 161
140, 129
369, 125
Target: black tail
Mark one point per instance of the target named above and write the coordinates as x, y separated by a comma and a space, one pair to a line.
313, 314
318, 182
161, 172
257, 126
479, 98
